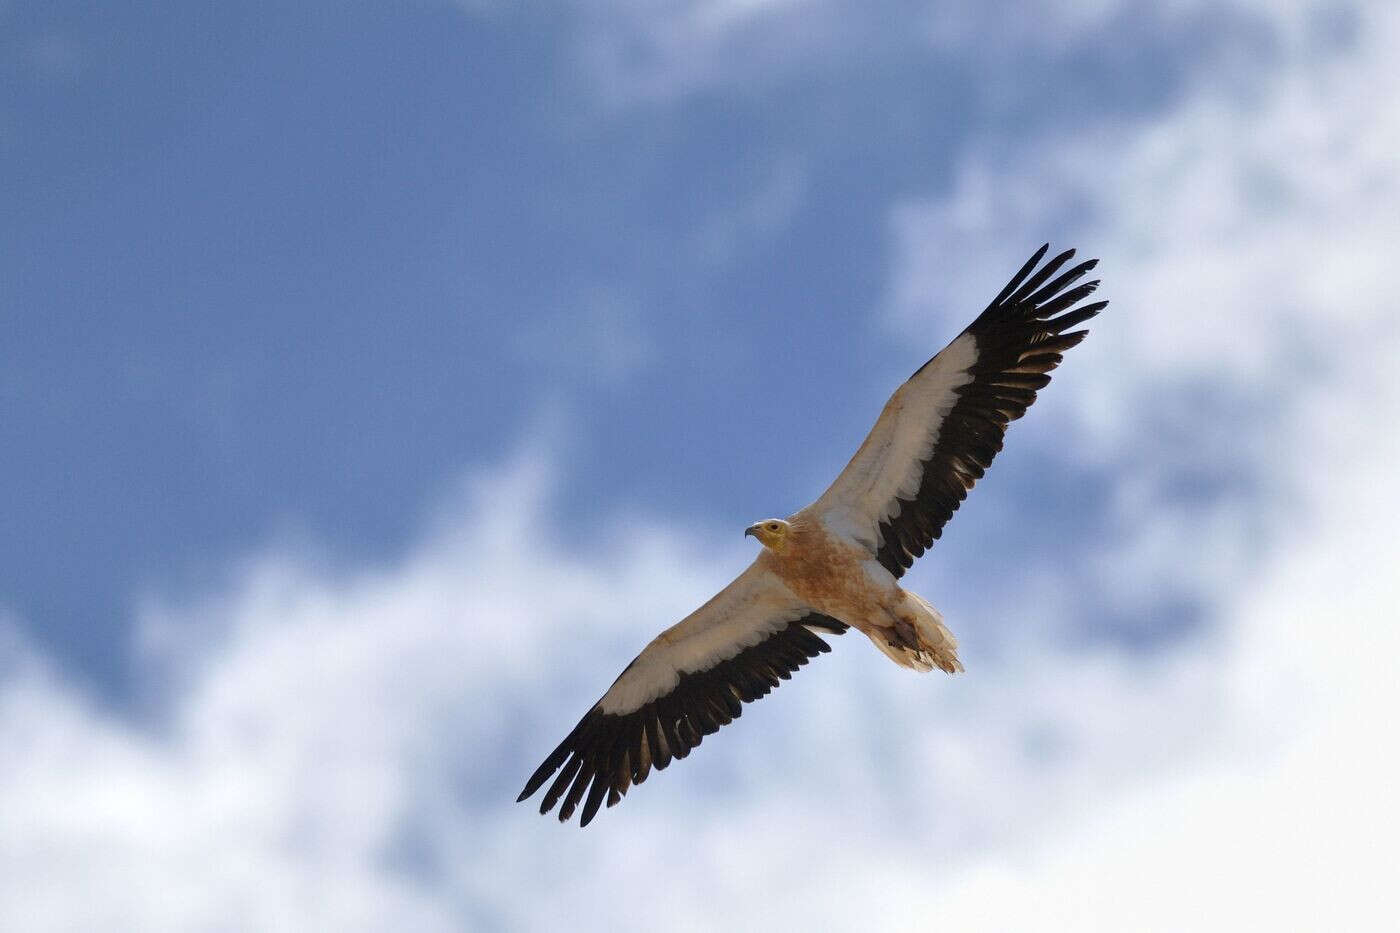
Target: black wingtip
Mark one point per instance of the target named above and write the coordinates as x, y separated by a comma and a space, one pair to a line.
1050, 290
596, 790
1079, 315
607, 753
1020, 276
1038, 279
536, 781
550, 765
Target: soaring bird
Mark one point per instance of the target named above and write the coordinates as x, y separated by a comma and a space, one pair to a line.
835, 564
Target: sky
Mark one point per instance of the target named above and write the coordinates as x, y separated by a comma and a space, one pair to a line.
377, 378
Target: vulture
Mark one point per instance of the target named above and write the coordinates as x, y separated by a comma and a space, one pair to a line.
835, 564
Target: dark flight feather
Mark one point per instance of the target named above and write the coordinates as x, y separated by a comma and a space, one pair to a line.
1020, 338
607, 753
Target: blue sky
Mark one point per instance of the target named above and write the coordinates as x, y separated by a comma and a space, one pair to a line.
376, 378
298, 266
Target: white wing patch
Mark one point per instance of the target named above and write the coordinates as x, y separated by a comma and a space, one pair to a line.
746, 612
889, 464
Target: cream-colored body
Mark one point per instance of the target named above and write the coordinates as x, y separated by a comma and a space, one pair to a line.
838, 577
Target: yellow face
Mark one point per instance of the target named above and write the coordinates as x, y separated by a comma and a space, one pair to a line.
771, 533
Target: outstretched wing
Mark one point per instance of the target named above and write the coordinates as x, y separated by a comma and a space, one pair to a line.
940, 430
692, 679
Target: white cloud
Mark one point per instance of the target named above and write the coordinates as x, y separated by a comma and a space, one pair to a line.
342, 750
600, 338
1246, 243
1298, 839
639, 52
1237, 230
761, 214
347, 753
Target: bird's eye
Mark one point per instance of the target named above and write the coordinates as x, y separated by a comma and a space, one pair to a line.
772, 526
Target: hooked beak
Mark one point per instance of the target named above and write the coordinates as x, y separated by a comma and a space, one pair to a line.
752, 530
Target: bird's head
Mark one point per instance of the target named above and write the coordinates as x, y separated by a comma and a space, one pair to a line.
772, 533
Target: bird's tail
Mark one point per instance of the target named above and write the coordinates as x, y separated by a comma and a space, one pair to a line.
918, 639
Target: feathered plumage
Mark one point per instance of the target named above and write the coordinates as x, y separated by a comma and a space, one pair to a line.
836, 563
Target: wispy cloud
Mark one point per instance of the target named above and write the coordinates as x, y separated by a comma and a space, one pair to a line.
346, 749
600, 339
1248, 236
1245, 238
1292, 838
1239, 226
639, 52
635, 52
764, 212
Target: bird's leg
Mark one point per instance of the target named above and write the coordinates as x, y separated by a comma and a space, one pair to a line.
918, 628
905, 630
